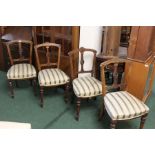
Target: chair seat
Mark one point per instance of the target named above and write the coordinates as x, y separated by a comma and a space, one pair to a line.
52, 77
21, 71
87, 87
122, 105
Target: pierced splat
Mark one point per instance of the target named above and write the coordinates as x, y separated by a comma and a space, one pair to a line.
46, 47
20, 49
115, 76
77, 55
113, 65
48, 55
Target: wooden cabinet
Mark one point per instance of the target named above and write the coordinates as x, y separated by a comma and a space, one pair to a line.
140, 45
111, 40
140, 51
1, 51
12, 33
58, 34
140, 78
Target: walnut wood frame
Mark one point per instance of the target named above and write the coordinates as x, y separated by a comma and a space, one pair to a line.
74, 57
122, 86
21, 59
49, 64
74, 62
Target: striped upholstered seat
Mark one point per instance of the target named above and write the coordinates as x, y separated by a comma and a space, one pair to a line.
21, 71
87, 87
52, 77
122, 105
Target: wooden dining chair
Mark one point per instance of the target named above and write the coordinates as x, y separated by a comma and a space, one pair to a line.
20, 56
50, 74
85, 85
120, 105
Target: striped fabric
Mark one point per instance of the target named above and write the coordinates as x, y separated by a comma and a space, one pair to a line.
51, 77
122, 105
21, 71
87, 87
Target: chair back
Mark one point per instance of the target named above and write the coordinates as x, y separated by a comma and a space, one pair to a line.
48, 55
120, 71
19, 51
78, 62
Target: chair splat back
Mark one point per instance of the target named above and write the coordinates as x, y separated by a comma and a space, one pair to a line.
113, 66
77, 61
19, 51
48, 55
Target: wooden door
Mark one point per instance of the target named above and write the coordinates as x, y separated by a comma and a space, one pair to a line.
111, 41
140, 43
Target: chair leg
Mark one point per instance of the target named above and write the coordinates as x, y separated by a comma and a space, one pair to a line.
41, 96
113, 124
102, 112
67, 93
78, 108
11, 88
142, 122
34, 86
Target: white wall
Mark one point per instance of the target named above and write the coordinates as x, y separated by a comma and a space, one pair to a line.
90, 37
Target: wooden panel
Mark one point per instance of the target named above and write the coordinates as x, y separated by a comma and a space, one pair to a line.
136, 80
14, 33
111, 40
140, 43
75, 37
1, 51
55, 34
133, 41
17, 32
143, 42
1, 58
153, 42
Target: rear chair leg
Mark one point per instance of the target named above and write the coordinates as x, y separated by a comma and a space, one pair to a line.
102, 111
78, 108
41, 96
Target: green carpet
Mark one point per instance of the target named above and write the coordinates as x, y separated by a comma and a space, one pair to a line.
56, 114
